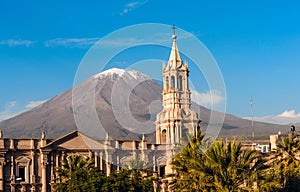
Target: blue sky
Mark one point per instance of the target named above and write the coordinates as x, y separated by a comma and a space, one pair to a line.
255, 43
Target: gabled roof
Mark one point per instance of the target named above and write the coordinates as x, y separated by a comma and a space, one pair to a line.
77, 141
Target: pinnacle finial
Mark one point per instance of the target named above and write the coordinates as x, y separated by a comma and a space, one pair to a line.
43, 134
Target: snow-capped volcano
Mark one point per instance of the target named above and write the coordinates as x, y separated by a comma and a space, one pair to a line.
109, 88
122, 73
56, 116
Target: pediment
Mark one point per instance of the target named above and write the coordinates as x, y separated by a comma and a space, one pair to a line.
162, 160
77, 141
22, 161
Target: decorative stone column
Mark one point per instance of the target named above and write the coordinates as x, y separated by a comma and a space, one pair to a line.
96, 158
108, 164
154, 163
62, 157
108, 168
2, 163
56, 162
32, 180
168, 135
177, 132
12, 168
158, 137
44, 171
101, 161
52, 167
118, 163
180, 131
172, 133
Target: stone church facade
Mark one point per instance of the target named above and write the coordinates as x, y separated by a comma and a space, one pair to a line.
29, 164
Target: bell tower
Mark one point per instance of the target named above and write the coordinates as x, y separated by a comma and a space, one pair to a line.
177, 118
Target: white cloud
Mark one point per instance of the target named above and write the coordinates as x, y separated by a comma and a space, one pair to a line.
156, 38
208, 98
33, 104
13, 109
10, 110
71, 42
12, 103
286, 117
8, 114
121, 42
17, 42
290, 114
131, 6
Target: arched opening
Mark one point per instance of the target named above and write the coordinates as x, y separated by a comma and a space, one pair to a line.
173, 82
180, 83
163, 137
167, 82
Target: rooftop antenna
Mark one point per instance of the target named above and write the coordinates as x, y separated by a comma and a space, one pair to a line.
251, 105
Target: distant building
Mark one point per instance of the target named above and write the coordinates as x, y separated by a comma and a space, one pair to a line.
273, 141
277, 138
29, 164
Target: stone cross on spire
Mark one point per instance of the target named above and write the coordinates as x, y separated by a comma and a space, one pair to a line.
174, 36
174, 29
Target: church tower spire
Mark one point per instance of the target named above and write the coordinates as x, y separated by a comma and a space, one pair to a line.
174, 59
177, 117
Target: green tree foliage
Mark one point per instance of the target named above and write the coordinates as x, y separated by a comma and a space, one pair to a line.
135, 175
286, 163
190, 166
233, 169
129, 180
78, 173
223, 167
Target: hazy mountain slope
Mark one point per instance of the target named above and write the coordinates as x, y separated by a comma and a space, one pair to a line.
56, 115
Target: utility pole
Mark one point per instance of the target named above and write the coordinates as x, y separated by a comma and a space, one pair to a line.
251, 106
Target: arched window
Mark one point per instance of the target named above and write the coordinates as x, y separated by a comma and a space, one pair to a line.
173, 82
180, 83
163, 137
167, 82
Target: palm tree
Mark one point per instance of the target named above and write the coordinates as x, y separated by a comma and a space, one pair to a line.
268, 179
233, 168
77, 173
140, 176
189, 165
287, 162
223, 167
